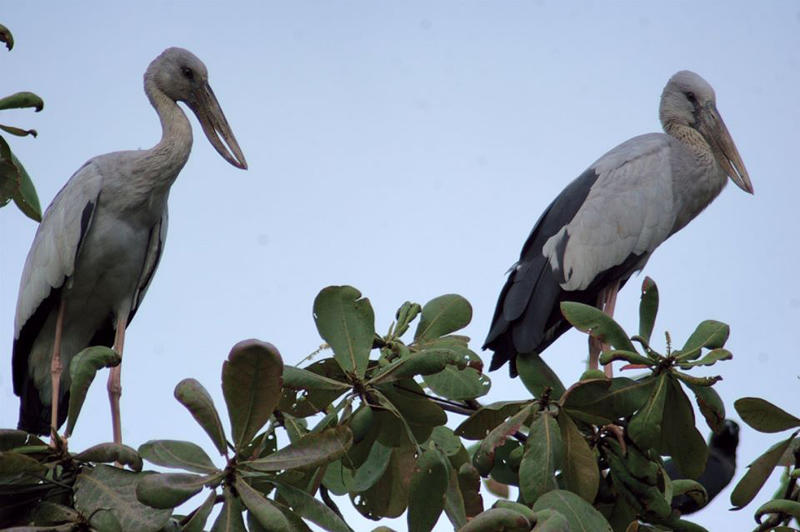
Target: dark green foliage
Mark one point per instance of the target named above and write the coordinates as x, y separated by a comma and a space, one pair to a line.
785, 505
368, 421
15, 183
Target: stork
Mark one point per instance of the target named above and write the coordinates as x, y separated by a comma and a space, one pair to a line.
605, 224
99, 245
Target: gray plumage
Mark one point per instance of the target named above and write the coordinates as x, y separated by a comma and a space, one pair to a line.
101, 238
605, 225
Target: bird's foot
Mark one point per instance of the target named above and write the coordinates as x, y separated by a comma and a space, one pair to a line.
58, 442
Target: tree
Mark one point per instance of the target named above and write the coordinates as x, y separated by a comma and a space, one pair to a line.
369, 422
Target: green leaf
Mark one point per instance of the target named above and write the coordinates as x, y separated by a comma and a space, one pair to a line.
710, 358
758, 472
502, 519
469, 483
347, 323
507, 460
426, 362
6, 37
779, 506
710, 334
710, 404
458, 384
680, 436
389, 496
105, 520
306, 506
230, 518
313, 449
111, 452
550, 521
12, 464
404, 316
191, 394
113, 489
579, 514
631, 357
601, 401
251, 384
648, 308
537, 376
454, 501
10, 180
21, 100
372, 469
297, 524
26, 198
544, 452
168, 490
518, 507
597, 323
311, 390
340, 480
177, 454
50, 513
645, 426
303, 379
263, 509
408, 416
428, 486
581, 474
82, 370
483, 420
443, 315
692, 489
485, 455
10, 439
197, 522
764, 416
19, 132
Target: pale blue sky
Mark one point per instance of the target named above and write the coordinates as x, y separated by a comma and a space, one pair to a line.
407, 148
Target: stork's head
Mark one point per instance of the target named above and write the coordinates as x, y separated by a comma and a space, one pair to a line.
688, 100
182, 77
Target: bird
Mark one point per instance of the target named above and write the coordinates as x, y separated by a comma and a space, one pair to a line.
99, 244
605, 225
719, 470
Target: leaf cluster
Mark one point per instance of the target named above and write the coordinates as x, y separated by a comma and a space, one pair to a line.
763, 416
369, 422
15, 183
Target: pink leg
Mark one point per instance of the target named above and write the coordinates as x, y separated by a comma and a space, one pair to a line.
606, 301
115, 380
55, 373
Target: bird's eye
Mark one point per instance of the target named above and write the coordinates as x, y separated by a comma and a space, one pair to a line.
187, 73
692, 98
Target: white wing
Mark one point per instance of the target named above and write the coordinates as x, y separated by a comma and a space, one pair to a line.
51, 259
629, 211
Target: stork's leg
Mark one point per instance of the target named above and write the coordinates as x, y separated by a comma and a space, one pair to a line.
115, 379
55, 373
606, 301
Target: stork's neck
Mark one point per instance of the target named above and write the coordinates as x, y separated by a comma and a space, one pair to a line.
698, 184
172, 151
688, 136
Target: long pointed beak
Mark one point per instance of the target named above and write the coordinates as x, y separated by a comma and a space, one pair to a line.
214, 124
714, 130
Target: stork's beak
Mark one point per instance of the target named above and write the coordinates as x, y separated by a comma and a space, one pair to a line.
211, 117
713, 129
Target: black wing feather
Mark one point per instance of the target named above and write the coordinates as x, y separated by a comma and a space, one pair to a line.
527, 317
